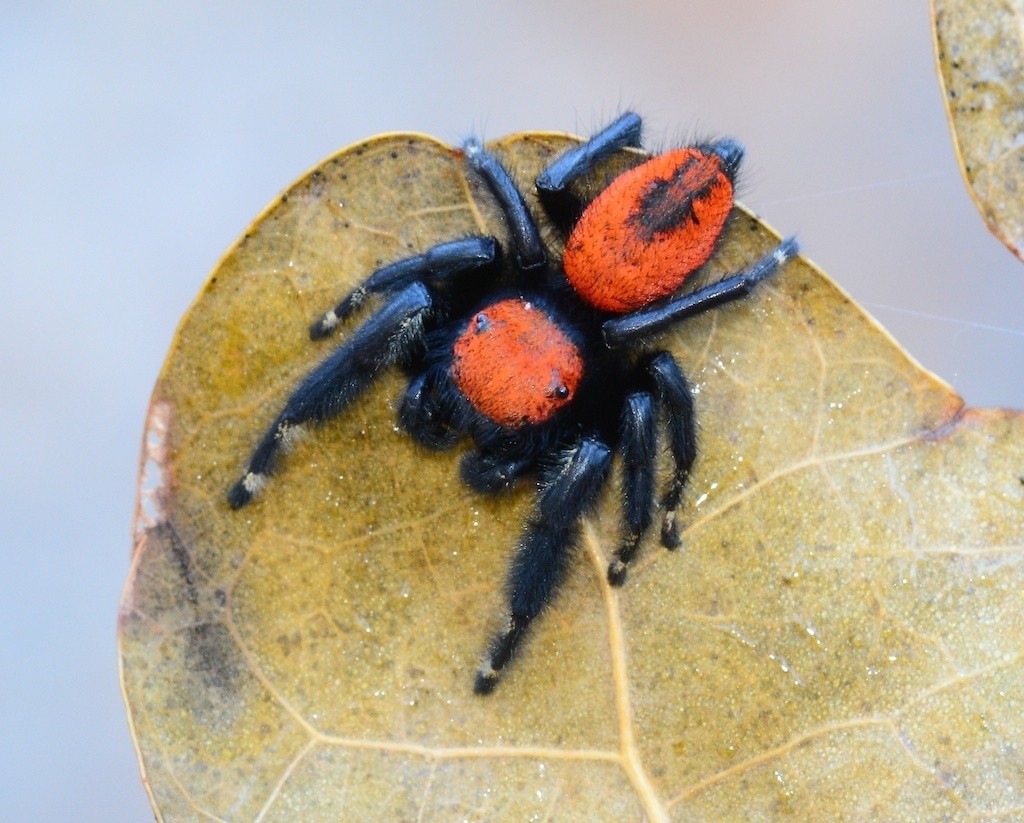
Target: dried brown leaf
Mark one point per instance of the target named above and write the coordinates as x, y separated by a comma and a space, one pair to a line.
839, 638
979, 47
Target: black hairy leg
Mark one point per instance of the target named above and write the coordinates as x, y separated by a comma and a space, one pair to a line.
540, 357
329, 388
542, 558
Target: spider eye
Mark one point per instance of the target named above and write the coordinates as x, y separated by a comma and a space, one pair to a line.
557, 388
483, 323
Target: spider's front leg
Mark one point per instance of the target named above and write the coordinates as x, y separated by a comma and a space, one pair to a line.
542, 557
383, 340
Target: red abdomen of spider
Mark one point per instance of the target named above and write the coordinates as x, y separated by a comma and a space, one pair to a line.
649, 230
515, 364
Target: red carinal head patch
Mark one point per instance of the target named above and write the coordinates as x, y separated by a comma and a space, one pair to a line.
645, 233
515, 365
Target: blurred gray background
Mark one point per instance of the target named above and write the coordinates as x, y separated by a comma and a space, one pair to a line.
138, 141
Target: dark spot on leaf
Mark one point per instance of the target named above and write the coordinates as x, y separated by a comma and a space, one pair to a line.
212, 657
180, 556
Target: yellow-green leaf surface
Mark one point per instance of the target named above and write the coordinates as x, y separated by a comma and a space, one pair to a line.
980, 51
839, 638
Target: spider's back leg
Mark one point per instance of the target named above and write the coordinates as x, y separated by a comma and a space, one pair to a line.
624, 131
528, 252
527, 248
636, 325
